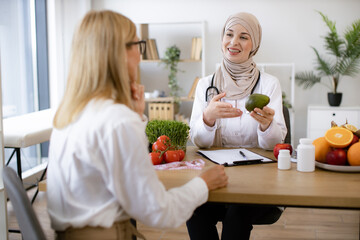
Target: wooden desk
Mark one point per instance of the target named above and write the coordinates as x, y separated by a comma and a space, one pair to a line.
265, 184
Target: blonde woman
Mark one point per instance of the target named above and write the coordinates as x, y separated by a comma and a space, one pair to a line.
99, 173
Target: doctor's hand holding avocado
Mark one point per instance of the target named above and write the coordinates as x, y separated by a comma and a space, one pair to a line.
217, 109
256, 105
263, 116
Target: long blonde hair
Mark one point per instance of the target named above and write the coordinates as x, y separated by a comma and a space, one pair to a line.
98, 66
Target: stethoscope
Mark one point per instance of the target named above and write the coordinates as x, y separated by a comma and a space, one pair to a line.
211, 87
211, 90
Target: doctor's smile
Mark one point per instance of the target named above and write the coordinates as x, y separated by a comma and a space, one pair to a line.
233, 51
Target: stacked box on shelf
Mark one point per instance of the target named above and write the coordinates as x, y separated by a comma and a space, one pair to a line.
161, 111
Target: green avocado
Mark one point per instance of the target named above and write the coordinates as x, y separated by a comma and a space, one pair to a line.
256, 100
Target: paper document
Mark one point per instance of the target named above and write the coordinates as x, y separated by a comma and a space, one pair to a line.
232, 157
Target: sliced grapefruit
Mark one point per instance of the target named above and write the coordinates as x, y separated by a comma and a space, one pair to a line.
339, 137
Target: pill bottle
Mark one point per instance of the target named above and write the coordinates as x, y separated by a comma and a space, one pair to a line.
306, 155
284, 160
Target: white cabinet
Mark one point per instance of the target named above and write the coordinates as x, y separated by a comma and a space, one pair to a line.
319, 118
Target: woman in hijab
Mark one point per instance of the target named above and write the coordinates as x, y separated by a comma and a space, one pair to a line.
219, 119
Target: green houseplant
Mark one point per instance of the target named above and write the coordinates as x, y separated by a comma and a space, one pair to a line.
171, 60
177, 131
344, 60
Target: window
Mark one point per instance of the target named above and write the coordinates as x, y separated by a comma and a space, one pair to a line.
24, 66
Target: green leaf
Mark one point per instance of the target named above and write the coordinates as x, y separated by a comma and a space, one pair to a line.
349, 67
323, 66
332, 41
329, 23
352, 37
307, 79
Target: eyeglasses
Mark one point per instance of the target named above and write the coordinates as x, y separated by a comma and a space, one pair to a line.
142, 46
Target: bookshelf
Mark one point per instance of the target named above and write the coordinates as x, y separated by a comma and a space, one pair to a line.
189, 37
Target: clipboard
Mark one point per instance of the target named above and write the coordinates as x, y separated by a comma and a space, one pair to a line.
233, 157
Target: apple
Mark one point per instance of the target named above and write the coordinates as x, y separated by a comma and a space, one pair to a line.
280, 146
336, 157
355, 140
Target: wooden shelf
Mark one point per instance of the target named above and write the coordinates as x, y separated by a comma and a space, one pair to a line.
158, 60
168, 99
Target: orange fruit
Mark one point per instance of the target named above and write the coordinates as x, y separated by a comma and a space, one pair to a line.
339, 137
322, 147
350, 127
353, 154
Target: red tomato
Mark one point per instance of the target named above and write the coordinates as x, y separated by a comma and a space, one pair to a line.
158, 146
181, 154
164, 139
155, 157
171, 156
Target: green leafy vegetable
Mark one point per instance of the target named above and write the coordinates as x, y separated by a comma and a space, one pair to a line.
178, 132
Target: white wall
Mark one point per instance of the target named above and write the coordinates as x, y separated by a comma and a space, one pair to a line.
63, 17
290, 27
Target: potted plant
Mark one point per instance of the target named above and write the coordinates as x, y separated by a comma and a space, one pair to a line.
171, 60
344, 60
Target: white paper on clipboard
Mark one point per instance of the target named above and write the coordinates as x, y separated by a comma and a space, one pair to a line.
229, 156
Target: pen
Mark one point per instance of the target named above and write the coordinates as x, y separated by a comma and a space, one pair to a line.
237, 163
247, 162
243, 154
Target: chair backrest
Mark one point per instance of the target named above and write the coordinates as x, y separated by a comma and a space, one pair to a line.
287, 123
28, 222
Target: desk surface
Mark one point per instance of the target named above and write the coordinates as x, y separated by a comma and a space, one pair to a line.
265, 184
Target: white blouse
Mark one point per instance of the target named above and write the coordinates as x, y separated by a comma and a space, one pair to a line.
100, 172
241, 131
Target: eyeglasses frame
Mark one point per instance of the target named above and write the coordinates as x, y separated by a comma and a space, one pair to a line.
142, 45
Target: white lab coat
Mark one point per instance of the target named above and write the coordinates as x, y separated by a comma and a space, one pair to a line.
241, 131
100, 172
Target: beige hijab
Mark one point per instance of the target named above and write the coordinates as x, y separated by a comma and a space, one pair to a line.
237, 80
